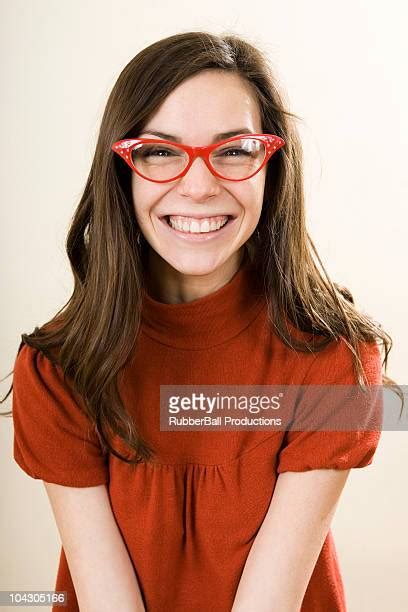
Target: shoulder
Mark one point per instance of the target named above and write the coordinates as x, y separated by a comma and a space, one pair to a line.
336, 362
36, 372
325, 363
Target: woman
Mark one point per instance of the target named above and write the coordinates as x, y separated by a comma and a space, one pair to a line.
192, 266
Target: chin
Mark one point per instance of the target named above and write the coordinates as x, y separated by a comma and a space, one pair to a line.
192, 265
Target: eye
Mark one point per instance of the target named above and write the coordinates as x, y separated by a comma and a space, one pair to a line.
157, 151
231, 152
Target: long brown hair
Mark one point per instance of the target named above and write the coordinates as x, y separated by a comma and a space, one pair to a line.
96, 330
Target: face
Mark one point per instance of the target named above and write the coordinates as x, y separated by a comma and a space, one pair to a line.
206, 104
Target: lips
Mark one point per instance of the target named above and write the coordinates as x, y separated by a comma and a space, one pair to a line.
197, 223
193, 216
199, 236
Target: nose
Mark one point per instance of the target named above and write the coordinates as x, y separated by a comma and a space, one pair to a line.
199, 183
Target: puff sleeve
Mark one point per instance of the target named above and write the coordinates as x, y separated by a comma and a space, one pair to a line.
341, 450
53, 439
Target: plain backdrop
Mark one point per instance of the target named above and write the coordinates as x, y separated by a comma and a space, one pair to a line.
343, 68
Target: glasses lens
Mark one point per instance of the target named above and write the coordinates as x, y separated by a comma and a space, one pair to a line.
159, 162
239, 158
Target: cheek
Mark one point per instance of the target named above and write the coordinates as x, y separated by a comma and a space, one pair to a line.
143, 199
251, 197
138, 192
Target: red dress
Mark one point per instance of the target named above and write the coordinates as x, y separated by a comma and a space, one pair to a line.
190, 518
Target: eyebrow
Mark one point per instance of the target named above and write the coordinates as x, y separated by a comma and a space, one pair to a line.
217, 137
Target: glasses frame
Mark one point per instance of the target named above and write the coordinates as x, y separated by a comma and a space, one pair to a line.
124, 147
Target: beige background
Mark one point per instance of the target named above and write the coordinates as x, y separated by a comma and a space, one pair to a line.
343, 69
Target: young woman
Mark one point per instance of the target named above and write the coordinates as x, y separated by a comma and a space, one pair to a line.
192, 266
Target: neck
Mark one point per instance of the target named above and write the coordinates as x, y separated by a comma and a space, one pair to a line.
166, 284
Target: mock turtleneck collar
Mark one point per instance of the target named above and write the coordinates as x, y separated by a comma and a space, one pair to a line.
209, 320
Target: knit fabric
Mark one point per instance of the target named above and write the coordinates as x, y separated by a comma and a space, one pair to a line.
189, 518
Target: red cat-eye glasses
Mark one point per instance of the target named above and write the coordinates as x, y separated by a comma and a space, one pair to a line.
234, 159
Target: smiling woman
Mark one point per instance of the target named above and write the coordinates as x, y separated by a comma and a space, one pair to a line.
193, 266
198, 191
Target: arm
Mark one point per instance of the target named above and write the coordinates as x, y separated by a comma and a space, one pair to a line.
100, 566
288, 543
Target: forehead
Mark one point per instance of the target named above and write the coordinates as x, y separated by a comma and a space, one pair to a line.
207, 103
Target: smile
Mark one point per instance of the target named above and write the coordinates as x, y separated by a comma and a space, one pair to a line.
190, 228
197, 226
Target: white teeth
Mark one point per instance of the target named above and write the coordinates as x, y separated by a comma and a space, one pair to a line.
196, 226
